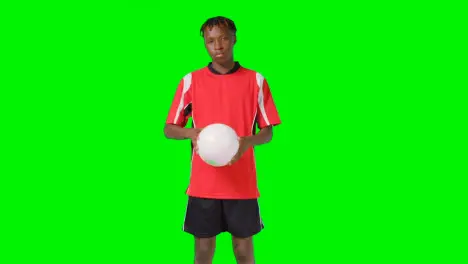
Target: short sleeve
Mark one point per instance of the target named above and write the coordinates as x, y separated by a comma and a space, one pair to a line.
267, 114
181, 102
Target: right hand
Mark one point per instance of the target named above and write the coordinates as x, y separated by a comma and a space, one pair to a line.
192, 133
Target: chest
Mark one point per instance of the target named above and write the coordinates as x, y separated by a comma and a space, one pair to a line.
218, 94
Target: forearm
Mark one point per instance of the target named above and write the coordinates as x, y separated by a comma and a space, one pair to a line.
176, 132
262, 137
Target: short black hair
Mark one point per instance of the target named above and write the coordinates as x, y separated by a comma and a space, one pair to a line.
218, 21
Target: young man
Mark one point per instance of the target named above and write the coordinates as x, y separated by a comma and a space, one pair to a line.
223, 199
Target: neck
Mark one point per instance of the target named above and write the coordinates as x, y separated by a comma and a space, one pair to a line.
223, 67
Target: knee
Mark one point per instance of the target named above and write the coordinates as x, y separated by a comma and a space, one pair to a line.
243, 257
204, 255
204, 251
243, 250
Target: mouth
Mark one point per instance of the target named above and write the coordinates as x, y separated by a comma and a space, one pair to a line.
219, 55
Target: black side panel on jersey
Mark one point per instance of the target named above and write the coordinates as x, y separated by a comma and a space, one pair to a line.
187, 112
254, 127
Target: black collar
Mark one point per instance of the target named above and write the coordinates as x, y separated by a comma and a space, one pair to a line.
233, 70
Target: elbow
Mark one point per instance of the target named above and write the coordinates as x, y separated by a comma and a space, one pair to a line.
269, 134
171, 131
166, 131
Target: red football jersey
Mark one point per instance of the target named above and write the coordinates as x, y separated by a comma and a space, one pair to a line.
240, 99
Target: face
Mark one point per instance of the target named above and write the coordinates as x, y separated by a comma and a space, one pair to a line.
219, 43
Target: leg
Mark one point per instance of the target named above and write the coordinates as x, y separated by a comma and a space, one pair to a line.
243, 222
204, 250
243, 250
204, 220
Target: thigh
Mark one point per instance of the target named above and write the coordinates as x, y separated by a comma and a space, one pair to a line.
242, 217
204, 218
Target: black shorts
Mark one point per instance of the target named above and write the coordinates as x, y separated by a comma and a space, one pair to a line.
209, 217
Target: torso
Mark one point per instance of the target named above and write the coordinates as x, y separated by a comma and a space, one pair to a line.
229, 99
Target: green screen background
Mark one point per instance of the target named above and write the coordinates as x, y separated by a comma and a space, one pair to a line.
353, 175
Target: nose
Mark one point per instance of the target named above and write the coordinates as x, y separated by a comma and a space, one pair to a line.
218, 45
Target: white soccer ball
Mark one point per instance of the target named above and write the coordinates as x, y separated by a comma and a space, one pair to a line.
217, 144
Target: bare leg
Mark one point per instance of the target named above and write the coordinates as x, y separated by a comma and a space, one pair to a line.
243, 250
204, 250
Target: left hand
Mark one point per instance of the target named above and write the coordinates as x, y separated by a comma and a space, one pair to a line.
244, 145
